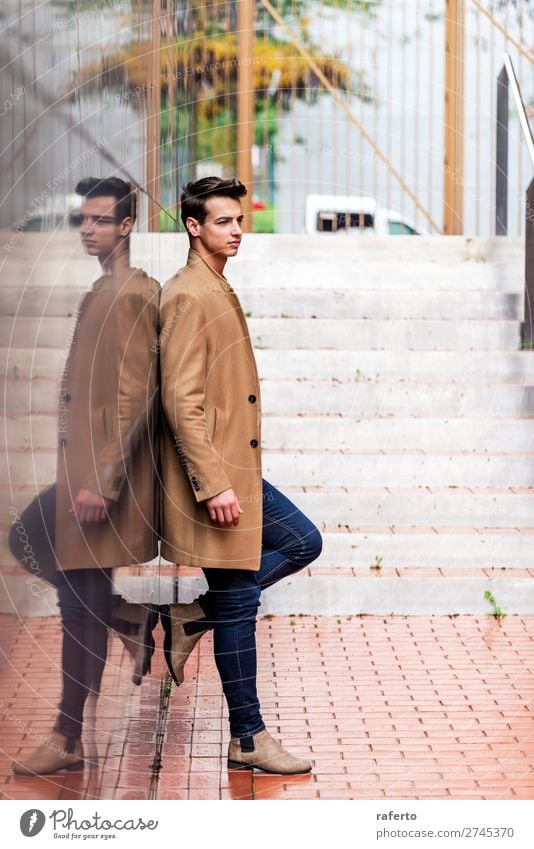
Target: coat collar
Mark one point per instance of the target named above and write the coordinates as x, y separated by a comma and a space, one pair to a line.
116, 281
197, 261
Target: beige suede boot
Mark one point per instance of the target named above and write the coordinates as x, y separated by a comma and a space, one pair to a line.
262, 751
178, 645
53, 755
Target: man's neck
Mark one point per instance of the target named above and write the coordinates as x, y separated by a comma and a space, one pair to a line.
215, 261
118, 258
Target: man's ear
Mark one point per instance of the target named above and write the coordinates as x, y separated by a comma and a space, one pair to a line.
192, 225
126, 226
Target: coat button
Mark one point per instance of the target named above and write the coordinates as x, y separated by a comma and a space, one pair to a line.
252, 399
254, 443
68, 397
62, 443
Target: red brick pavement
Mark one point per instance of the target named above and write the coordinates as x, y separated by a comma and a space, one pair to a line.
398, 707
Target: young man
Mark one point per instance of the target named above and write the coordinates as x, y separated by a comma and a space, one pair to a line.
218, 513
102, 510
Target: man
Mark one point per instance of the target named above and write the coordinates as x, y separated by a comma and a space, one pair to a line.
101, 513
218, 514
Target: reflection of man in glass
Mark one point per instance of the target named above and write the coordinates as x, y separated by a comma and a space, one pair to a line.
101, 512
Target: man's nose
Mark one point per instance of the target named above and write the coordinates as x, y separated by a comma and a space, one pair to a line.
236, 228
86, 227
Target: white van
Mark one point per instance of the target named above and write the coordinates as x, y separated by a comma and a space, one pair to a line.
355, 215
57, 212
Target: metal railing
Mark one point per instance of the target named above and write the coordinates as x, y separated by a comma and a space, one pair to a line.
505, 81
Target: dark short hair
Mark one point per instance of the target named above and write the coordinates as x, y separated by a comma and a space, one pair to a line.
124, 194
194, 195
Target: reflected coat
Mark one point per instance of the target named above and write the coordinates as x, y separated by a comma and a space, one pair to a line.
107, 424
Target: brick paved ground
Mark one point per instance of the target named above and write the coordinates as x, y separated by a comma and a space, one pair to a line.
413, 707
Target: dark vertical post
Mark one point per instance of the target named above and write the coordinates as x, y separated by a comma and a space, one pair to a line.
501, 156
527, 329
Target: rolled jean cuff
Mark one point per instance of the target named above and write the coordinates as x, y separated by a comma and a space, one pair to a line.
70, 728
238, 735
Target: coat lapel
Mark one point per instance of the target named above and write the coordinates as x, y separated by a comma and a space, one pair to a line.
204, 270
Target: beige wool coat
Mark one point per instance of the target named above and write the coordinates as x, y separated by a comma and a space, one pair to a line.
211, 429
107, 424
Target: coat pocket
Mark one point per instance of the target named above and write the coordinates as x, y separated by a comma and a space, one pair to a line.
98, 426
217, 428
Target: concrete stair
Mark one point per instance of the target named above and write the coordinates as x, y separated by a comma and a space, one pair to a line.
398, 408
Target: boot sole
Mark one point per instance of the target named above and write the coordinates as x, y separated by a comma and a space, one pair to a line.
250, 767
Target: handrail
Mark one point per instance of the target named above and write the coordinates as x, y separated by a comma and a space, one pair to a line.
507, 78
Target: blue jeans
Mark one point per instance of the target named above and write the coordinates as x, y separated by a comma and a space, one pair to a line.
290, 541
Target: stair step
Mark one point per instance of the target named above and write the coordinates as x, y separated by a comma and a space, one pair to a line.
381, 304
415, 550
308, 432
24, 363
396, 434
400, 399
389, 508
339, 334
407, 278
351, 398
339, 469
58, 301
257, 251
319, 365
316, 595
406, 365
399, 470
37, 332
394, 507
280, 303
419, 550
391, 334
414, 596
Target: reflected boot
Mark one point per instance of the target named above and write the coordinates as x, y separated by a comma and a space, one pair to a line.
262, 751
54, 755
134, 624
183, 628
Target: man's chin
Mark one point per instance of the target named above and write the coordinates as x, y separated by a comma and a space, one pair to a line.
227, 252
